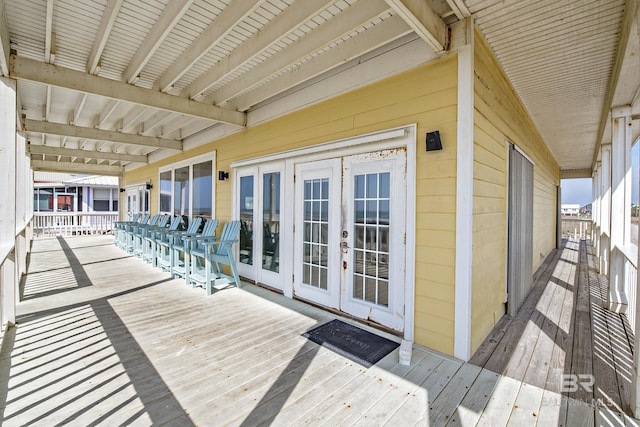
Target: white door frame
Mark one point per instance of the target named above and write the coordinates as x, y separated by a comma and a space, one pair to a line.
404, 136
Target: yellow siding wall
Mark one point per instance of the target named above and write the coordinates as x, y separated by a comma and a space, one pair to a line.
426, 95
500, 116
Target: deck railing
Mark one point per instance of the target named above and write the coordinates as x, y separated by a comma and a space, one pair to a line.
73, 223
577, 228
631, 285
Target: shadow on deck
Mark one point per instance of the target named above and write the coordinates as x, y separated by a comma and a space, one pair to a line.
563, 339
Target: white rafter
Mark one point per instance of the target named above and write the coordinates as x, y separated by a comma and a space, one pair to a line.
376, 36
102, 35
132, 117
106, 113
48, 35
169, 18
224, 23
31, 70
47, 104
97, 169
85, 154
424, 21
5, 47
99, 134
174, 124
459, 8
290, 19
75, 114
148, 126
338, 27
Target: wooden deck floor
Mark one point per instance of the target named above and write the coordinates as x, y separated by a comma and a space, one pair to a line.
103, 339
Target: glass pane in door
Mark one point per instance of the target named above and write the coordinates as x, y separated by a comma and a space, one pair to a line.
315, 232
165, 192
271, 221
202, 190
181, 191
246, 220
371, 238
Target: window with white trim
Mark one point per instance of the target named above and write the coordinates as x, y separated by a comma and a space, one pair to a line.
105, 199
187, 188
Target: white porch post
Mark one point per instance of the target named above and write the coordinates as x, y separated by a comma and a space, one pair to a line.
620, 220
595, 208
122, 200
605, 206
464, 199
8, 269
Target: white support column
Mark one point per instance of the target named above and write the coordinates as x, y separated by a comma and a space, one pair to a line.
620, 219
8, 270
595, 208
122, 201
464, 199
605, 206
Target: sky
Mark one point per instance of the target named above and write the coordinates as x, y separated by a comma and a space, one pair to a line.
578, 191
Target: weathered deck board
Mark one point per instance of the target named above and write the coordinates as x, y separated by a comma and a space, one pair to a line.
563, 328
104, 338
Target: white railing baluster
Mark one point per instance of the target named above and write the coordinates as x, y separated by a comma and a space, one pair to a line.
73, 223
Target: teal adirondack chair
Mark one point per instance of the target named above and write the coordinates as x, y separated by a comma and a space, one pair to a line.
183, 245
160, 236
148, 238
166, 259
119, 228
129, 241
207, 263
138, 230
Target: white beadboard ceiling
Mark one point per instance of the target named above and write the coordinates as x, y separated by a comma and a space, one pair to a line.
108, 83
560, 56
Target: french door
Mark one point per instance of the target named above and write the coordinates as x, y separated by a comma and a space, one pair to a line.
137, 199
259, 207
349, 234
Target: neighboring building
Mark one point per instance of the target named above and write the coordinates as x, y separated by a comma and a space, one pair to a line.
61, 192
570, 209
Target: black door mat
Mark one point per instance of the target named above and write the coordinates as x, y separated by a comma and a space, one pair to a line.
349, 341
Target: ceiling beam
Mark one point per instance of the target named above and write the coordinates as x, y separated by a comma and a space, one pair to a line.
221, 26
99, 134
171, 15
86, 154
51, 166
376, 36
28, 69
287, 21
575, 173
102, 35
5, 47
424, 21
